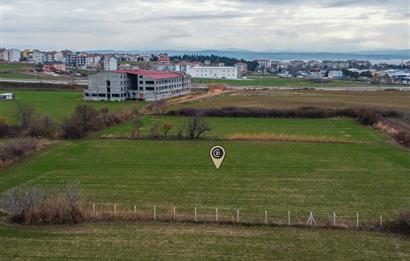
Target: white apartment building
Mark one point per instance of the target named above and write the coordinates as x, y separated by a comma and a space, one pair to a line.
4, 55
335, 74
213, 72
39, 57
14, 55
59, 57
110, 63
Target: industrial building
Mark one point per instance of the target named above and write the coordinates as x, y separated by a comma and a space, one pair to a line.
136, 85
213, 72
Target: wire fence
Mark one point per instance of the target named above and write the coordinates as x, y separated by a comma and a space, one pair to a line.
115, 212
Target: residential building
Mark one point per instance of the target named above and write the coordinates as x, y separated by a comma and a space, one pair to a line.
264, 64
335, 74
213, 72
4, 56
39, 57
359, 64
14, 55
59, 57
136, 85
110, 63
164, 59
242, 68
335, 65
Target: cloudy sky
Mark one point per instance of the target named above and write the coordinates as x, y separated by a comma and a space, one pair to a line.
260, 25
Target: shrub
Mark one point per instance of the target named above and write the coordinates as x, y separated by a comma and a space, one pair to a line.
401, 224
43, 127
34, 206
83, 121
403, 137
14, 151
155, 131
166, 128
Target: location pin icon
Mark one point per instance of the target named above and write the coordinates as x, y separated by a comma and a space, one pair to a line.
217, 156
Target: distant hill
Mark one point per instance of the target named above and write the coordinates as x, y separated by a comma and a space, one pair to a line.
250, 55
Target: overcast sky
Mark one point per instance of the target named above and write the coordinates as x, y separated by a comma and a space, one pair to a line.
260, 25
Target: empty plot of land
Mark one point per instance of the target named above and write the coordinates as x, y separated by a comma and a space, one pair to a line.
296, 99
272, 81
58, 103
337, 129
187, 242
373, 179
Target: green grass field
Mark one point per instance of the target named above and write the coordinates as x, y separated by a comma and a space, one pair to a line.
297, 99
370, 178
272, 81
58, 103
199, 242
17, 71
343, 129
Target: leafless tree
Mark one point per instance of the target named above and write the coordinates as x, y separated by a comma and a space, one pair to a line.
197, 126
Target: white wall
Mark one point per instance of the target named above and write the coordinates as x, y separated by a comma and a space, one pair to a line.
213, 72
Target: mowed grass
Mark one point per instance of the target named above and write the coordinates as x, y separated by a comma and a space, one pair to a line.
272, 81
17, 71
373, 179
297, 99
58, 104
199, 242
338, 128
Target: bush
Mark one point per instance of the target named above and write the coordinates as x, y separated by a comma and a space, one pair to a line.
82, 122
155, 131
35, 206
12, 152
43, 127
403, 137
401, 224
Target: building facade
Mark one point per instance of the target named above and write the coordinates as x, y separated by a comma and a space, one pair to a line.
213, 72
136, 85
110, 63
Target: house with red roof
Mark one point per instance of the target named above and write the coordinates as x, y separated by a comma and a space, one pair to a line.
144, 85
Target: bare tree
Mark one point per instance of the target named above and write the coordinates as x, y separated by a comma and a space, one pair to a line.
197, 126
26, 115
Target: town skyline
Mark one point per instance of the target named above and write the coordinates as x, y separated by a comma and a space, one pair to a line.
269, 26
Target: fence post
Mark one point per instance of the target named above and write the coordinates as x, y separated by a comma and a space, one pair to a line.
237, 215
334, 219
357, 220
155, 212
175, 216
115, 209
381, 221
94, 210
288, 218
195, 217
266, 217
216, 215
135, 212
